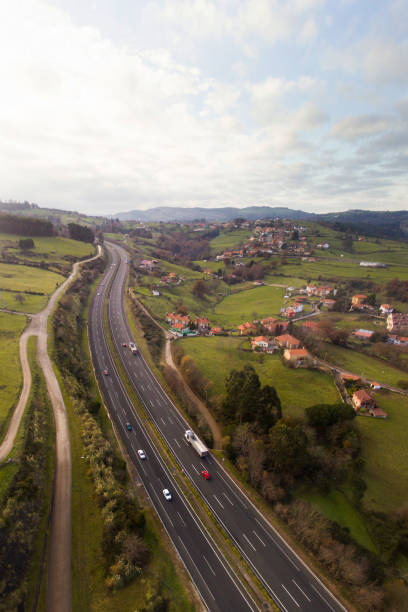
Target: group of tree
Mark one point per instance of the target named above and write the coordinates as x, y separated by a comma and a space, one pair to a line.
397, 289
25, 226
123, 546
80, 232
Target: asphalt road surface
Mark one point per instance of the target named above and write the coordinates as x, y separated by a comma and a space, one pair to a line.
288, 580
214, 579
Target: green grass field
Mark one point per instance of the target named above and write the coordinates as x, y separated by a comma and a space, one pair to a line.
256, 303
353, 320
229, 240
385, 451
363, 365
14, 277
339, 269
52, 248
297, 389
336, 507
11, 328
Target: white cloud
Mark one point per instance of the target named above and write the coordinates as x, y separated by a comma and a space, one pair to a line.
362, 126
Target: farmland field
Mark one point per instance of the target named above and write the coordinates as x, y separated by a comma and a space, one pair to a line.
385, 451
229, 240
51, 248
297, 389
340, 269
256, 303
11, 328
14, 277
363, 365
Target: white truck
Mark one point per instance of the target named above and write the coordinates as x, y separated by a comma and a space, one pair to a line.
196, 443
133, 347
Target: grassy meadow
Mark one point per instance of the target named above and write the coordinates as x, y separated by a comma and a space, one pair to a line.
11, 328
229, 240
53, 249
363, 365
385, 452
297, 389
256, 303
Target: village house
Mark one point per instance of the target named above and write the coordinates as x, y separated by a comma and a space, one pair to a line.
288, 341
358, 300
386, 309
260, 342
328, 303
214, 331
396, 321
375, 386
202, 324
395, 339
173, 318
297, 356
273, 325
323, 291
180, 328
148, 264
363, 334
246, 329
362, 400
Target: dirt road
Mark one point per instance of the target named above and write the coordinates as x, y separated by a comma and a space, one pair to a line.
59, 597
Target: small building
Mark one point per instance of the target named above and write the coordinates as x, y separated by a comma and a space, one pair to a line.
375, 386
202, 324
386, 309
246, 329
328, 303
377, 413
362, 400
363, 334
397, 321
297, 356
173, 318
260, 342
358, 299
287, 341
214, 331
179, 328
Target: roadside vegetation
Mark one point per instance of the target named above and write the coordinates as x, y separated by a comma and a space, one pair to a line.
25, 502
11, 328
115, 542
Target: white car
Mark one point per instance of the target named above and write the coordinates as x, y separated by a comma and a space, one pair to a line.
167, 494
141, 454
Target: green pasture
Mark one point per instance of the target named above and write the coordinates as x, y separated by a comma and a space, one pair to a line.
385, 451
19, 278
229, 240
297, 388
363, 365
256, 303
11, 328
30, 304
342, 270
353, 320
52, 249
336, 507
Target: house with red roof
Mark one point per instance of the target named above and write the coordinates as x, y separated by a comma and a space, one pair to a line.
298, 356
386, 309
362, 400
202, 324
288, 341
246, 329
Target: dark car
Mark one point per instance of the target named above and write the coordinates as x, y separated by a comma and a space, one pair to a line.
128, 426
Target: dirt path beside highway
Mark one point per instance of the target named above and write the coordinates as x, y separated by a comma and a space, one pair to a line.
59, 597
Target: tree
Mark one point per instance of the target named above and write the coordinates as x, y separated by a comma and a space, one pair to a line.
20, 298
242, 395
269, 409
287, 449
26, 243
199, 289
321, 416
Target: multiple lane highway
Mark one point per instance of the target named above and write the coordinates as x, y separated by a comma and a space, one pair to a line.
288, 580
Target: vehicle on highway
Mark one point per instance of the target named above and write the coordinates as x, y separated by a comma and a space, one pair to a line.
106, 372
167, 494
124, 344
196, 443
133, 347
128, 426
141, 454
206, 475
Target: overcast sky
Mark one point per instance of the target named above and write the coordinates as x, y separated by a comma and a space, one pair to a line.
112, 105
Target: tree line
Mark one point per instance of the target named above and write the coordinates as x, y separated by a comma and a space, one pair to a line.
25, 226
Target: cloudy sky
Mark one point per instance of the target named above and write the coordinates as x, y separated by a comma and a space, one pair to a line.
111, 105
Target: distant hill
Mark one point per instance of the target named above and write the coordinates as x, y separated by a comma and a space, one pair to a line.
168, 214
